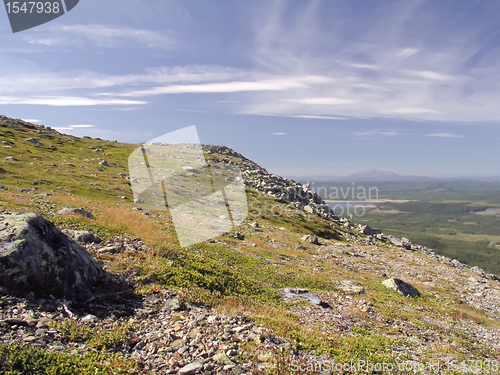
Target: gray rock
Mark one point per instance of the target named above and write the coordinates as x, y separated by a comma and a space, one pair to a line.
10, 158
238, 236
310, 210
27, 191
456, 263
222, 358
173, 304
350, 287
37, 257
90, 318
82, 236
475, 280
290, 294
478, 271
370, 231
2, 170
492, 276
255, 226
402, 287
192, 368
110, 249
400, 242
311, 238
3, 187
189, 169
33, 141
75, 211
104, 163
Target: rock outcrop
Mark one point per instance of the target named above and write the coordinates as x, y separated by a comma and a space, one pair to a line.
283, 190
37, 257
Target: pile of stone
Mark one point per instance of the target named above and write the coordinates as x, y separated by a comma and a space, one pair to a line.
166, 335
376, 234
283, 190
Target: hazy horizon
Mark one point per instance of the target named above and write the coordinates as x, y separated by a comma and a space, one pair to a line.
299, 87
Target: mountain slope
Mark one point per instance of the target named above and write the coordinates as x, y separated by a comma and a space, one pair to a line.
239, 277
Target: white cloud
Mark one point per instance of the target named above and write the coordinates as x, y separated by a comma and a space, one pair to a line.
302, 68
34, 121
374, 133
364, 66
319, 117
410, 111
444, 135
193, 110
211, 88
322, 101
65, 101
432, 76
102, 35
81, 126
84, 79
278, 133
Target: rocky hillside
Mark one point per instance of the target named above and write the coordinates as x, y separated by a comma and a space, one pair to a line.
91, 283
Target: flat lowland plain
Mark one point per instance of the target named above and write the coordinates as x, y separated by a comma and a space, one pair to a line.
458, 219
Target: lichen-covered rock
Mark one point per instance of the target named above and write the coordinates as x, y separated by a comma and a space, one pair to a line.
350, 287
37, 257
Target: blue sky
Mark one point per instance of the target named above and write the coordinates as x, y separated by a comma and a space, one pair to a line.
301, 87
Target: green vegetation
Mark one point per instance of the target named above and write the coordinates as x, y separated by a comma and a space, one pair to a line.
96, 337
458, 219
25, 360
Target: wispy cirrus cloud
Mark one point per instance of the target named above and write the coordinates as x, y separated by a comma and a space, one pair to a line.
319, 117
372, 133
102, 35
81, 126
212, 88
193, 110
444, 135
75, 127
299, 62
323, 101
65, 101
85, 79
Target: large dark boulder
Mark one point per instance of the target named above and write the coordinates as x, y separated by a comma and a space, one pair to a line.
37, 257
